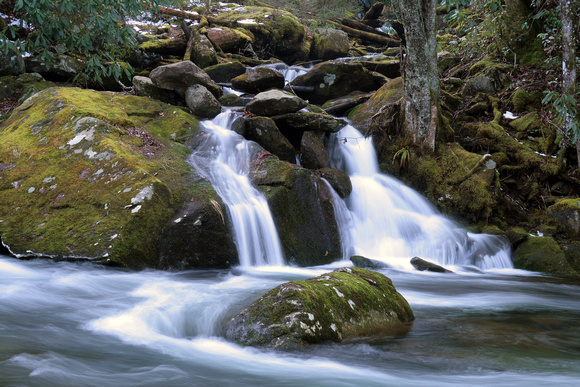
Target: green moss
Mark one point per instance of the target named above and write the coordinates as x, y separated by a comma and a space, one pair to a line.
542, 254
347, 302
79, 160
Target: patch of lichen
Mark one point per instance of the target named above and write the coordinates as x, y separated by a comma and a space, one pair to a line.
70, 198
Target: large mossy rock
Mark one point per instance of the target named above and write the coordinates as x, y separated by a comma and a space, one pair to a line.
275, 102
225, 72
94, 175
181, 75
293, 125
335, 79
264, 131
229, 39
348, 302
329, 44
302, 209
259, 79
542, 254
567, 213
384, 102
274, 30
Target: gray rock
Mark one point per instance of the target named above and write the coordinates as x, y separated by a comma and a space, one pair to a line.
179, 76
63, 66
264, 131
367, 263
11, 63
259, 79
203, 54
275, 102
201, 102
293, 125
144, 87
338, 179
479, 84
348, 302
314, 153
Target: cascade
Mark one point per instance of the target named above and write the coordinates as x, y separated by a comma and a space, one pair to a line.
224, 159
391, 222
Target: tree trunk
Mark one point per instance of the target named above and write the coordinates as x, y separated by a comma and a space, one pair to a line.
419, 69
567, 16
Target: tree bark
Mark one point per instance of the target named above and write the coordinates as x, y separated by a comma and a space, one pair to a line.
567, 16
419, 69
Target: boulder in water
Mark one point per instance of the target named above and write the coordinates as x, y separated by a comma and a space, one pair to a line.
338, 179
542, 254
258, 79
275, 102
201, 102
314, 153
348, 302
293, 125
335, 79
179, 76
367, 263
422, 265
264, 131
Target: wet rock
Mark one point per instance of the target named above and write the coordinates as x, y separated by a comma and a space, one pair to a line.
542, 254
314, 153
258, 79
367, 263
304, 217
271, 171
144, 87
348, 302
198, 236
225, 72
329, 44
165, 46
293, 125
422, 265
179, 76
201, 102
335, 79
264, 131
275, 102
339, 106
338, 179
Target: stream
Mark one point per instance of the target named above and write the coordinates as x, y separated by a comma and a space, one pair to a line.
79, 324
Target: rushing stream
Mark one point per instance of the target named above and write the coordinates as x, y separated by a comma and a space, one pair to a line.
77, 324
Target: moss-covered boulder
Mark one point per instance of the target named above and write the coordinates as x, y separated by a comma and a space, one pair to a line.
94, 175
335, 79
348, 302
203, 53
542, 254
293, 125
314, 153
338, 179
274, 30
329, 44
259, 79
229, 39
225, 72
201, 102
522, 100
179, 76
382, 106
567, 213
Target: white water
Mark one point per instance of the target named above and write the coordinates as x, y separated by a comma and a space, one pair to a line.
393, 223
79, 324
224, 159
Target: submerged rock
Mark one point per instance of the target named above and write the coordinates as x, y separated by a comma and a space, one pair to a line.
348, 302
423, 265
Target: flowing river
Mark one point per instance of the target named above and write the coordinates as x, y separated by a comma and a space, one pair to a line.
77, 324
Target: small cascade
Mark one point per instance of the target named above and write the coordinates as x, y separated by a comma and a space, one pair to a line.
289, 72
393, 223
224, 159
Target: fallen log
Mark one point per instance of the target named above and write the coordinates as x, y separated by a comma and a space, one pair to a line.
361, 26
370, 37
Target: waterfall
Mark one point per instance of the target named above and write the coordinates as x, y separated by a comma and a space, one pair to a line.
393, 223
224, 159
